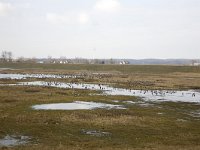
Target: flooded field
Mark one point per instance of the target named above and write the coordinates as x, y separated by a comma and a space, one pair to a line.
190, 96
38, 76
153, 95
107, 110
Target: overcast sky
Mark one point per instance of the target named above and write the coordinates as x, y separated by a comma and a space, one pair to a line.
101, 28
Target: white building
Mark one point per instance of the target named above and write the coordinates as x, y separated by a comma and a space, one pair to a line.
196, 64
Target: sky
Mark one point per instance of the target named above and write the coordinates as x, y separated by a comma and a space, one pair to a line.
132, 29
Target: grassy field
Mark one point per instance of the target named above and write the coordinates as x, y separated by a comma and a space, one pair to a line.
161, 125
161, 69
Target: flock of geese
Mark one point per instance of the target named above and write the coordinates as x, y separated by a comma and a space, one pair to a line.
74, 85
93, 87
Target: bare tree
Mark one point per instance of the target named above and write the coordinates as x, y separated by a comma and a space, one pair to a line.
10, 56
6, 56
3, 56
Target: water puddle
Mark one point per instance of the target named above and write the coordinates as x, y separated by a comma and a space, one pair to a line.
38, 76
95, 133
10, 141
140, 103
149, 95
181, 120
77, 105
160, 113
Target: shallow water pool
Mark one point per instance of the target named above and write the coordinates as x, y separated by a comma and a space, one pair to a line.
77, 105
10, 141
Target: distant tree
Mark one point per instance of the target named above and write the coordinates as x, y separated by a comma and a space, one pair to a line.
10, 56
33, 60
49, 59
96, 61
6, 56
111, 61
3, 56
21, 59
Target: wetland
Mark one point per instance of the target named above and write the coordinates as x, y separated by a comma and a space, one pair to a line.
99, 107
